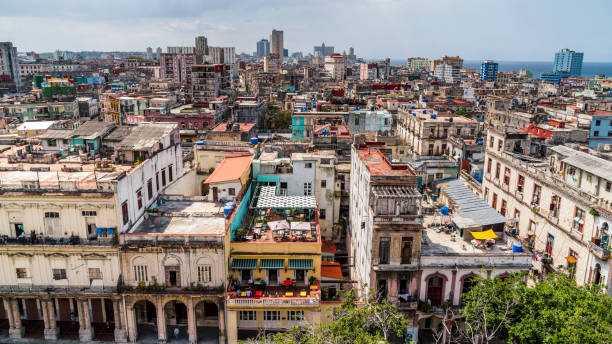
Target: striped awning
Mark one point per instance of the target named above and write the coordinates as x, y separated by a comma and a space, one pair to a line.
244, 264
271, 263
300, 264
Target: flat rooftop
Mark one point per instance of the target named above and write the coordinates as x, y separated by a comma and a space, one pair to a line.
183, 217
378, 165
434, 243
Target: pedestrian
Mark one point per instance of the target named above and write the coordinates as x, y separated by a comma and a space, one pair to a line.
176, 333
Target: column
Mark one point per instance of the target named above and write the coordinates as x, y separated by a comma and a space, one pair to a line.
51, 331
232, 327
120, 331
191, 322
452, 290
8, 306
220, 307
132, 324
85, 329
18, 331
162, 330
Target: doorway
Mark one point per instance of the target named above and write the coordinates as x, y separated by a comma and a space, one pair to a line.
434, 290
215, 194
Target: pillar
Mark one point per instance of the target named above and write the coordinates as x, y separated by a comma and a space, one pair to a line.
132, 324
120, 330
452, 290
85, 329
18, 331
51, 331
232, 327
162, 330
8, 306
192, 327
222, 339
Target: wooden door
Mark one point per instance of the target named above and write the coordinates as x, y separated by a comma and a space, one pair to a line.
64, 309
96, 311
434, 292
31, 309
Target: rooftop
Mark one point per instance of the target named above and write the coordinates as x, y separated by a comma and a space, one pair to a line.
331, 270
378, 164
471, 210
441, 243
230, 169
244, 127
146, 135
584, 161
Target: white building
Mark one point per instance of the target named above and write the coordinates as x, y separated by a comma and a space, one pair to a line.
449, 73
9, 63
334, 64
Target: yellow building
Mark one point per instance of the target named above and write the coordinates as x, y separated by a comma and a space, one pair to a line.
274, 264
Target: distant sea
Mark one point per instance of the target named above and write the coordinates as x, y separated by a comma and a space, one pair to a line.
589, 69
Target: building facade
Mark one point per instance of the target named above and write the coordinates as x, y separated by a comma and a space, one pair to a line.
568, 61
488, 70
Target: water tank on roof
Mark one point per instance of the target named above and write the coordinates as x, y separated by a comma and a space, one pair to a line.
413, 107
356, 108
432, 116
517, 247
424, 111
254, 140
444, 210
414, 114
199, 143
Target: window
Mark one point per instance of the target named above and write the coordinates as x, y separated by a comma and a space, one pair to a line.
157, 181
489, 165
608, 186
164, 177
578, 220
124, 212
322, 214
598, 123
89, 213
308, 165
248, 315
59, 274
52, 215
406, 250
295, 315
486, 194
572, 261
383, 250
503, 207
22, 272
609, 133
535, 199
231, 191
323, 183
492, 142
271, 315
150, 188
596, 133
141, 273
517, 215
507, 176
550, 241
356, 121
139, 198
497, 170
94, 273
204, 273
170, 175
520, 184
494, 204
307, 189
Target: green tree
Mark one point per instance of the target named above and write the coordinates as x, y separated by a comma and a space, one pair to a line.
556, 310
277, 118
462, 112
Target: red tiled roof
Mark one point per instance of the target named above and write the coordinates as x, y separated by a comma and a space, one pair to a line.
328, 247
231, 168
331, 270
379, 165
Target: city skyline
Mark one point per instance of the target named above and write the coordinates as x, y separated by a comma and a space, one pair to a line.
158, 24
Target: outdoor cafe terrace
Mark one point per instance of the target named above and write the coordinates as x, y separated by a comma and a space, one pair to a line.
275, 219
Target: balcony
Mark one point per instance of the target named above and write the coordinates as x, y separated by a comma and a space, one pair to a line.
407, 303
397, 219
599, 252
71, 241
276, 296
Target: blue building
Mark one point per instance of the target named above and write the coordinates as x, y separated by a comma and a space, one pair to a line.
488, 70
263, 48
601, 129
553, 78
568, 61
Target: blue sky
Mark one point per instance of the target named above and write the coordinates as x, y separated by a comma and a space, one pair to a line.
474, 29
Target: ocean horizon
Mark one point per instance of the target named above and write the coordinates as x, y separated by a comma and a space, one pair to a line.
589, 69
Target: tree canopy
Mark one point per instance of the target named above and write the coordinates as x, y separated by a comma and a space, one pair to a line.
277, 118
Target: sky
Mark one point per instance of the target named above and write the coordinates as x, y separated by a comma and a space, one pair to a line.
506, 30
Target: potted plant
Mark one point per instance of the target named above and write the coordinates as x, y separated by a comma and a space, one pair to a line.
312, 280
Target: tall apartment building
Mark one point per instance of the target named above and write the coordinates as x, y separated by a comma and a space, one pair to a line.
180, 50
368, 71
272, 63
201, 45
323, 50
149, 53
562, 203
568, 61
208, 81
335, 65
488, 70
418, 64
276, 43
60, 265
450, 60
449, 73
263, 48
177, 66
221, 55
386, 224
9, 64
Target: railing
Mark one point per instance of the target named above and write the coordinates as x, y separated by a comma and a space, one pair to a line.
599, 252
280, 301
6, 240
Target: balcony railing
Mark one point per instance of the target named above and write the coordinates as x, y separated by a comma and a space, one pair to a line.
599, 252
275, 296
36, 240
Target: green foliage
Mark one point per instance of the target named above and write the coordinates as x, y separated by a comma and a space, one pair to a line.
556, 310
529, 74
367, 322
462, 112
277, 118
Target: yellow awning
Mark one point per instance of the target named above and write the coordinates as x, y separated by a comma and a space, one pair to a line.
571, 259
484, 235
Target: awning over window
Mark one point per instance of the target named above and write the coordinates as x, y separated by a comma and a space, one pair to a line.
271, 263
571, 259
300, 264
484, 235
244, 264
